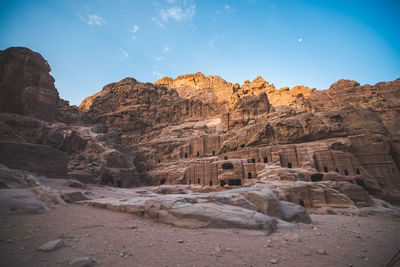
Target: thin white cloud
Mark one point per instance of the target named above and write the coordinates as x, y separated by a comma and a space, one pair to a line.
229, 9
300, 40
214, 40
135, 28
226, 9
156, 21
159, 58
166, 48
157, 74
178, 13
124, 53
95, 20
92, 19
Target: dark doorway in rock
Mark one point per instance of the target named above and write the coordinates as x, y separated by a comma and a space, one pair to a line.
3, 185
253, 160
234, 182
346, 172
289, 165
106, 179
360, 182
185, 155
190, 181
162, 181
119, 184
213, 153
242, 145
210, 183
265, 159
301, 202
325, 169
227, 166
222, 183
317, 177
198, 154
337, 170
198, 180
357, 171
351, 181
225, 158
249, 175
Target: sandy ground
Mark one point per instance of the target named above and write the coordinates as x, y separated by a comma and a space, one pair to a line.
121, 239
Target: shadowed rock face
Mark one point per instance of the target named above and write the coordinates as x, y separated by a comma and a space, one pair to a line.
26, 87
316, 148
39, 158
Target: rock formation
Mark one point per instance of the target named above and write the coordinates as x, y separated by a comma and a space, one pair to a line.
26, 87
334, 148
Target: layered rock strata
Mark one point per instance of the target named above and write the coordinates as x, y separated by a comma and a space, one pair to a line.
317, 148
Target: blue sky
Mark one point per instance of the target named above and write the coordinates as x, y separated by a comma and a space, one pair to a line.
89, 44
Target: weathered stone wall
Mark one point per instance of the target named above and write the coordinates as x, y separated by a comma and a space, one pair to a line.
26, 87
209, 145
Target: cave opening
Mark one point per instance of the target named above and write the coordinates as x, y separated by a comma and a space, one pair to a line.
253, 160
360, 182
346, 172
265, 159
357, 171
213, 153
249, 175
222, 183
185, 155
225, 158
289, 165
162, 181
235, 182
301, 202
325, 169
227, 166
211, 183
317, 177
198, 180
119, 184
198, 154
3, 185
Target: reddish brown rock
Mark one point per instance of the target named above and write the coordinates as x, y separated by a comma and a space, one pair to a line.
318, 148
41, 159
26, 87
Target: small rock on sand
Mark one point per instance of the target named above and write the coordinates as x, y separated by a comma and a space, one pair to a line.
274, 261
84, 261
51, 245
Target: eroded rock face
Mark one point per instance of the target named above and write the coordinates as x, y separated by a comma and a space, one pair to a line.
26, 87
261, 133
38, 158
383, 97
318, 148
20, 201
247, 208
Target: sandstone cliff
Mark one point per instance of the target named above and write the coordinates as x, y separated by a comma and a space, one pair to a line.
317, 148
26, 87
